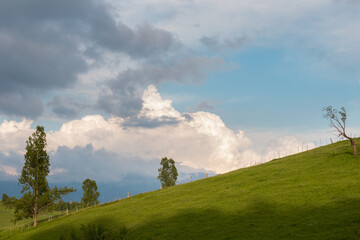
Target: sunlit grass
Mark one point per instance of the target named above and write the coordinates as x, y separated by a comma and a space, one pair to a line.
311, 195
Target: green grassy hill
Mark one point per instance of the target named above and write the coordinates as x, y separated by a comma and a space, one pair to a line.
5, 216
312, 195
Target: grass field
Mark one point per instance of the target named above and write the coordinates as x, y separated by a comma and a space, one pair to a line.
6, 225
5, 219
311, 195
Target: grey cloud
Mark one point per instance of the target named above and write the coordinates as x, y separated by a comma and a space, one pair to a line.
104, 166
122, 100
65, 112
206, 105
13, 160
86, 162
66, 107
145, 41
43, 44
28, 63
215, 44
150, 123
21, 104
188, 117
87, 21
123, 94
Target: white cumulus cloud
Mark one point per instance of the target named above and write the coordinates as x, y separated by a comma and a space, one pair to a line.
9, 170
13, 135
199, 140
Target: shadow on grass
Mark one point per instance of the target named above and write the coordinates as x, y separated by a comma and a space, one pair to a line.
261, 220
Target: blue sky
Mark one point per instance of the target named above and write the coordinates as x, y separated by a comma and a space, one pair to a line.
272, 88
215, 85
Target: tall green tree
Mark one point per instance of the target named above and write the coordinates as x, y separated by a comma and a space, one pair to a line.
90, 193
34, 172
37, 196
167, 173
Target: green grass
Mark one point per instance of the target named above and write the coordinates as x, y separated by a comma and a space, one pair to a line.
7, 226
6, 214
312, 195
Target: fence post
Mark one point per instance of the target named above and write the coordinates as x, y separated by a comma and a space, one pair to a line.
128, 194
190, 178
206, 175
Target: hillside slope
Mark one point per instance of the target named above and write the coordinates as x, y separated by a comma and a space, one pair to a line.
311, 195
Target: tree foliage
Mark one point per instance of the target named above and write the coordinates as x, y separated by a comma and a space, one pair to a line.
90, 193
338, 122
167, 173
4, 198
37, 196
8, 202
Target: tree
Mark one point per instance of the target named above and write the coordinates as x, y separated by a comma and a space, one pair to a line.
8, 202
168, 172
4, 198
338, 121
37, 196
90, 193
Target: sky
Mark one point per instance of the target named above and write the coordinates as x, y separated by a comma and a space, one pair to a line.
215, 85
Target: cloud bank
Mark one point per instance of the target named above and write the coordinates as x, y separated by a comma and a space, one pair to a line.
108, 149
45, 45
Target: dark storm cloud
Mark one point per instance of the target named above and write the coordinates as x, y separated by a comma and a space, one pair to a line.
43, 44
123, 95
23, 104
66, 107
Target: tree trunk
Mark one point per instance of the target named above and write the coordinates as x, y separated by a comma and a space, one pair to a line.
35, 208
353, 145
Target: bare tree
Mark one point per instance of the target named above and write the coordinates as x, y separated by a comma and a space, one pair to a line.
338, 121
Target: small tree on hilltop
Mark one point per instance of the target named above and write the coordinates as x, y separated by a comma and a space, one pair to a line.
37, 196
338, 121
90, 194
168, 172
